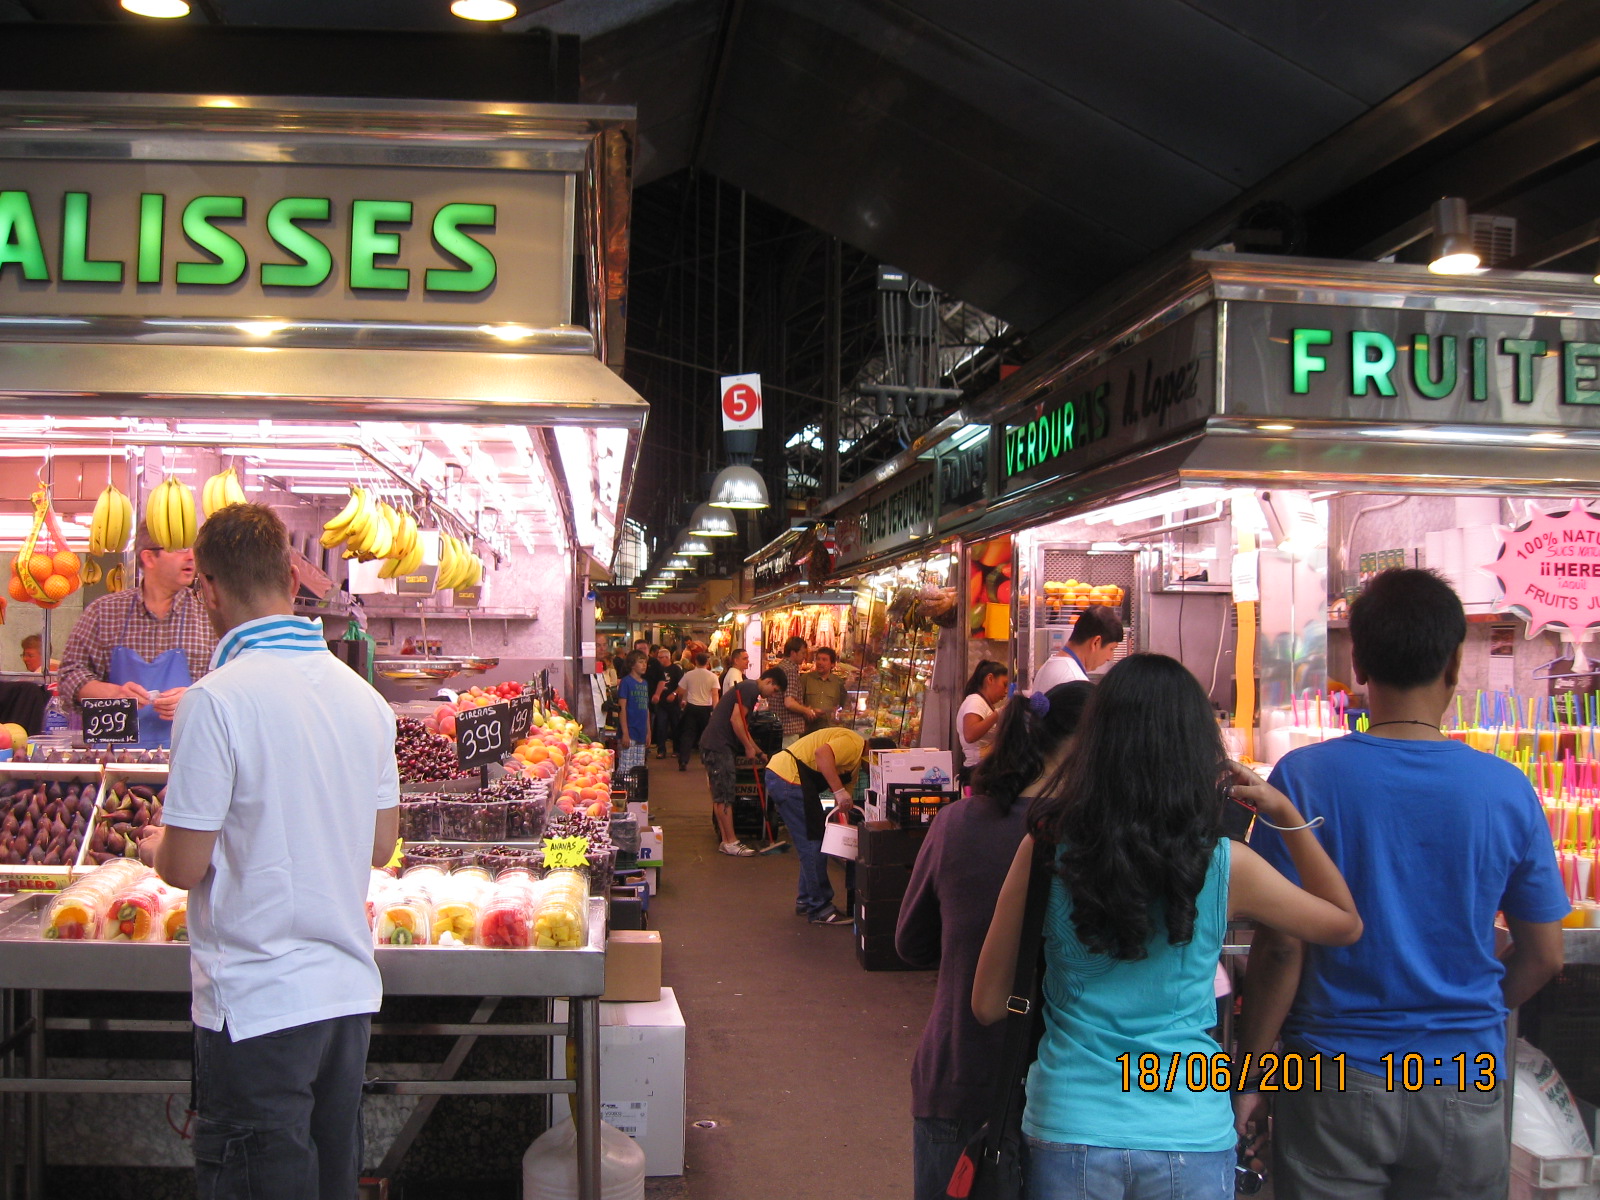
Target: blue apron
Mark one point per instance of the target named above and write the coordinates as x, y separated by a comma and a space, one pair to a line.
169, 670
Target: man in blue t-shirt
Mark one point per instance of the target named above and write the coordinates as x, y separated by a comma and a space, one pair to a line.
633, 721
1434, 838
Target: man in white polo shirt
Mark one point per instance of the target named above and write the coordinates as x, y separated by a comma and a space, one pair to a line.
282, 792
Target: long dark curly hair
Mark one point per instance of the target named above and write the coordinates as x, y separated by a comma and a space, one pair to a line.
1029, 731
1135, 807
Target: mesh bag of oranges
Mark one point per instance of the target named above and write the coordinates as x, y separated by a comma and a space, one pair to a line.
44, 571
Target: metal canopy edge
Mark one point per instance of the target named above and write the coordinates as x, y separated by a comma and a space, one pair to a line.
291, 382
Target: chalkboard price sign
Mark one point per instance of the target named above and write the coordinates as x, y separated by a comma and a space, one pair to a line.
110, 720
483, 735
521, 718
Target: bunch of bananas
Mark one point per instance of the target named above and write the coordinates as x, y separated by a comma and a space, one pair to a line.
221, 490
405, 554
459, 567
169, 515
116, 579
370, 529
111, 525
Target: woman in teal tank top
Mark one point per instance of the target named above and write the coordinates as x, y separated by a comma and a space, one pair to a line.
1145, 885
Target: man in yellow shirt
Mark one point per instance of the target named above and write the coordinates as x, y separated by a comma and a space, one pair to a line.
796, 778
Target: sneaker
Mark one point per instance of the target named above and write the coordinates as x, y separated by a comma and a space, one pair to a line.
830, 916
800, 910
736, 850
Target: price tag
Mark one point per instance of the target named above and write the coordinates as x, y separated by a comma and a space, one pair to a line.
521, 718
566, 852
482, 735
110, 720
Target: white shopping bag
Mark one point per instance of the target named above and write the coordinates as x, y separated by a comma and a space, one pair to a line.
839, 837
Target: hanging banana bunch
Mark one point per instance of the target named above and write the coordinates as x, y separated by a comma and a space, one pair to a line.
352, 521
221, 490
92, 572
169, 515
111, 524
458, 566
116, 579
405, 555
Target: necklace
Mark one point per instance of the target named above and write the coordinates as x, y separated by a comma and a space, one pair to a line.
1424, 724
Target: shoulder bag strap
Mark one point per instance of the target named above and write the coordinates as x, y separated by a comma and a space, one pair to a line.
1023, 1004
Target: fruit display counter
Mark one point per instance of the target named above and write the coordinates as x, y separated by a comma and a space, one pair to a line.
32, 966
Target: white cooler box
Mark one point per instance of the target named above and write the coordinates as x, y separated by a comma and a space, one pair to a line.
641, 1076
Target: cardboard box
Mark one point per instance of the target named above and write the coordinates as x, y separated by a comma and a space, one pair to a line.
633, 966
652, 846
641, 1076
641, 810
926, 768
884, 845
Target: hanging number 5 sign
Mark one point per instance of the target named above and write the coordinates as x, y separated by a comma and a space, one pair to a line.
741, 401
483, 735
110, 720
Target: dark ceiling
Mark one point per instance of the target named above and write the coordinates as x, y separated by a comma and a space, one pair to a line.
1033, 158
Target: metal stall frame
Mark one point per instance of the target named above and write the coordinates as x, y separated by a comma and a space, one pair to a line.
31, 966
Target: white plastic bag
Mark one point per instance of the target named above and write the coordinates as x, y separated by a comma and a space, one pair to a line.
1544, 1119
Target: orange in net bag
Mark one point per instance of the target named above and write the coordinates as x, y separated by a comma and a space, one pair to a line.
44, 572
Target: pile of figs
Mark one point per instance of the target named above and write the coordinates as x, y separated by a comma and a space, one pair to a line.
43, 821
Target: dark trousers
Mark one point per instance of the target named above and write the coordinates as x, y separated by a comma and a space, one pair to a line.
693, 724
278, 1117
664, 723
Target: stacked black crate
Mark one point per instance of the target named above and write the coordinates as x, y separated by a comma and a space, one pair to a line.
883, 872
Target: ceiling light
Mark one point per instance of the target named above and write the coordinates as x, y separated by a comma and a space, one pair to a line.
484, 10
678, 564
692, 547
711, 522
1276, 428
739, 487
157, 8
1452, 252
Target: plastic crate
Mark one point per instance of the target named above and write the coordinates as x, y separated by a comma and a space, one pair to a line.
1570, 1176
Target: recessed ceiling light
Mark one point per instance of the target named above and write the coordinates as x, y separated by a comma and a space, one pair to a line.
157, 8
484, 10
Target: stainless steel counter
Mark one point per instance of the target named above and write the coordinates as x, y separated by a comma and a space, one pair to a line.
30, 967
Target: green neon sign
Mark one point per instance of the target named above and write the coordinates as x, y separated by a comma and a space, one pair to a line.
1439, 368
211, 251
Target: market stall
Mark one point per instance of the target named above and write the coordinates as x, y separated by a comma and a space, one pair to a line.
361, 314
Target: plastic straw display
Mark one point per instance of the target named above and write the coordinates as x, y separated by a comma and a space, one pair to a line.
1553, 742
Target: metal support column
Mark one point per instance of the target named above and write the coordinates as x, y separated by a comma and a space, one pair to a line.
586, 1040
832, 356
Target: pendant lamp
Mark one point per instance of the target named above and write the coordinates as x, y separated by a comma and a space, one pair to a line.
708, 522
739, 487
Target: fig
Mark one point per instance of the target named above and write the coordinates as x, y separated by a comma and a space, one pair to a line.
26, 828
8, 827
52, 858
97, 839
115, 843
86, 805
35, 856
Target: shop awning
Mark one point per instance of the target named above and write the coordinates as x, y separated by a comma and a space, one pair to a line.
1365, 459
297, 382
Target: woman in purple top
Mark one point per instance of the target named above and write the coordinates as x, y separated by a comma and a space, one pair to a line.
946, 914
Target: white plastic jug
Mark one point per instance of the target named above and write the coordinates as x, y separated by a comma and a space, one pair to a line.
550, 1167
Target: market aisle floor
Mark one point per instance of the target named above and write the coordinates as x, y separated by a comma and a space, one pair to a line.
801, 1058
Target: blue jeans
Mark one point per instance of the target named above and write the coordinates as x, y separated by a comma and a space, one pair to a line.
936, 1144
1062, 1172
816, 891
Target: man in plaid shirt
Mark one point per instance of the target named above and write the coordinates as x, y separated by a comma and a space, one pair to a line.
148, 643
793, 712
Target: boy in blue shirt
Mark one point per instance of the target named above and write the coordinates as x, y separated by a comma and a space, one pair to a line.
633, 721
1434, 838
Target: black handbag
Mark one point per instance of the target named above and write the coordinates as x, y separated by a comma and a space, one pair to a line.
990, 1166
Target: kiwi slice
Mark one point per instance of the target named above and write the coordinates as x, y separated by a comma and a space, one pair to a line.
401, 937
